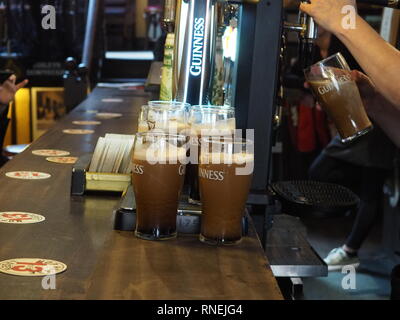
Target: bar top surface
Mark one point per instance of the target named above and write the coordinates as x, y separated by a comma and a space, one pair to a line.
103, 263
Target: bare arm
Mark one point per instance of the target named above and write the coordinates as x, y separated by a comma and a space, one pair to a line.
379, 59
384, 113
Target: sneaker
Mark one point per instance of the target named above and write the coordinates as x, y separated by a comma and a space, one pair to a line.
338, 258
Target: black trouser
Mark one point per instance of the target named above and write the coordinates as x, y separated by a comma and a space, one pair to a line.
366, 182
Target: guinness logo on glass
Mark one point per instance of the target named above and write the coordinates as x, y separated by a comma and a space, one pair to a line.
211, 174
332, 85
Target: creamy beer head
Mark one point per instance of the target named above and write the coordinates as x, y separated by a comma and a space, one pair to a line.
226, 158
160, 148
228, 151
160, 153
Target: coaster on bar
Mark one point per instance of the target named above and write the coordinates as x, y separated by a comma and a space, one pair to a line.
28, 175
50, 153
63, 160
32, 267
87, 123
20, 218
106, 115
112, 100
78, 131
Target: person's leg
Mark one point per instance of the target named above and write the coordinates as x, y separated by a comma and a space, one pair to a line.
331, 170
370, 197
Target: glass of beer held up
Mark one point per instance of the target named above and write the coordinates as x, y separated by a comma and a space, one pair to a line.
338, 94
225, 173
158, 170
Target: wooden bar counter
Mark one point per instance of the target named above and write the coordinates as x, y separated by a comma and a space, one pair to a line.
103, 263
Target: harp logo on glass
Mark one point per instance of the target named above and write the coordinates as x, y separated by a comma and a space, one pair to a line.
197, 47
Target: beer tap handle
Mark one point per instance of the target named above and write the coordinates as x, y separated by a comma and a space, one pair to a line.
169, 15
70, 68
307, 38
308, 33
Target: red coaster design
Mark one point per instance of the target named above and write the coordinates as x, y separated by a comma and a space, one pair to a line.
32, 267
50, 153
62, 160
28, 175
20, 218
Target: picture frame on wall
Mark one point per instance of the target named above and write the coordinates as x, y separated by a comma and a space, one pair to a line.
47, 108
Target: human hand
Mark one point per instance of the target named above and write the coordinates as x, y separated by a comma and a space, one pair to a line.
327, 13
373, 101
9, 88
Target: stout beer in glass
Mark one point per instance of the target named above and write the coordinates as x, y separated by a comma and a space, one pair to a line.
338, 94
225, 174
210, 121
158, 171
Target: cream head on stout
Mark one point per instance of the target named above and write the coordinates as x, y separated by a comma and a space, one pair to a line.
225, 180
158, 169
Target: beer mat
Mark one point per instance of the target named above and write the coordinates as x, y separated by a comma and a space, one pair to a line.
28, 175
119, 85
113, 154
20, 218
132, 88
78, 131
112, 100
105, 115
32, 267
87, 123
50, 153
63, 160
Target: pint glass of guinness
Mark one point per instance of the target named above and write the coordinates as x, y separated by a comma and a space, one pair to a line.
218, 121
171, 117
158, 171
225, 173
332, 85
